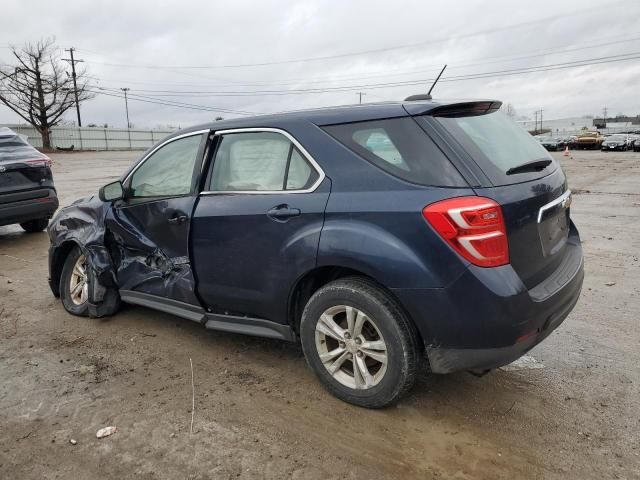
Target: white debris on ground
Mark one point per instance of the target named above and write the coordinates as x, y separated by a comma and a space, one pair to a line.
105, 432
525, 362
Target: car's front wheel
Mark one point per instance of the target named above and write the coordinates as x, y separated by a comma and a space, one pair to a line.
359, 343
74, 283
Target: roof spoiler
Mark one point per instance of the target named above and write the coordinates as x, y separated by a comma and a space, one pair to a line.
461, 109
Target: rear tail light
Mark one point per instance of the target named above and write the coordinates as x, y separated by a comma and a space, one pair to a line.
473, 226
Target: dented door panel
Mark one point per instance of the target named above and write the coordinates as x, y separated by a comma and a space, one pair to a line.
156, 261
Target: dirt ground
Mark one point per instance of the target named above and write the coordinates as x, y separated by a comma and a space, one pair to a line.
570, 410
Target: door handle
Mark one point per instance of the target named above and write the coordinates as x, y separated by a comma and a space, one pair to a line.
282, 213
177, 219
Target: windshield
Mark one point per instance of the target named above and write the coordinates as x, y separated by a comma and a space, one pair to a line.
497, 144
617, 138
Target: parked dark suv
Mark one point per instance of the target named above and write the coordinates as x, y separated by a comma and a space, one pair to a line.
27, 193
371, 234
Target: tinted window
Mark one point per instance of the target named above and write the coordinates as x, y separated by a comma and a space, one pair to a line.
497, 144
168, 171
259, 161
400, 147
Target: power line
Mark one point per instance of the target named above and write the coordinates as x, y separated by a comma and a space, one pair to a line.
470, 76
173, 104
492, 30
337, 78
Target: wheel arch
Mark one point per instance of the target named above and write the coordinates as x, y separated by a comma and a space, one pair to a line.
58, 257
316, 278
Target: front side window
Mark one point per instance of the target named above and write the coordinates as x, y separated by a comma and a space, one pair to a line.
168, 171
259, 161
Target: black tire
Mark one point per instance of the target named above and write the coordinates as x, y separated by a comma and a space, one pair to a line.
33, 226
397, 331
109, 305
81, 310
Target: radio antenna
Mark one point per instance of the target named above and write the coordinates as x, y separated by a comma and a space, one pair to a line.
428, 96
436, 81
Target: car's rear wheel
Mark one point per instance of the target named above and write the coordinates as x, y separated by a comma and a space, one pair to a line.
359, 343
37, 225
74, 283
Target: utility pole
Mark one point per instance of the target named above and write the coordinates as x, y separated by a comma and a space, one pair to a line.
541, 110
605, 110
126, 105
360, 94
73, 62
536, 128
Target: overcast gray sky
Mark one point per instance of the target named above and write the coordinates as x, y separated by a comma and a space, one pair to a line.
167, 51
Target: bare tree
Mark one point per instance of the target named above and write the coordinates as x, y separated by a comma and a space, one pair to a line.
38, 88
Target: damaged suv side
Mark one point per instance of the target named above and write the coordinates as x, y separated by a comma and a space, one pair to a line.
135, 244
371, 234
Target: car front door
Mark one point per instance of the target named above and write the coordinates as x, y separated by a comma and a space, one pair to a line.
149, 228
256, 227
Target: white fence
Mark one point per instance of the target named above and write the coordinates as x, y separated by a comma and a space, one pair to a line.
91, 138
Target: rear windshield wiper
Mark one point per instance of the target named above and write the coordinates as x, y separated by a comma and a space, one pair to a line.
534, 166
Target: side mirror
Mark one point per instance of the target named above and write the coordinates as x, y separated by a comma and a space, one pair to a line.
111, 192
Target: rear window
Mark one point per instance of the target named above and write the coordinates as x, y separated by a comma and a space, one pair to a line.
497, 144
399, 147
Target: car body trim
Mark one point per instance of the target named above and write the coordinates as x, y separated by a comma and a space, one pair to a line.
258, 327
294, 141
226, 323
562, 199
175, 307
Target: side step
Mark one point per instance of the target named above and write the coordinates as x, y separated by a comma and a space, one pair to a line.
249, 326
226, 323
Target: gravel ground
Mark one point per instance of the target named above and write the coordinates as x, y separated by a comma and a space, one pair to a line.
570, 410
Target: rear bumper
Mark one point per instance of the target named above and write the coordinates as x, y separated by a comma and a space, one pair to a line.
31, 209
487, 318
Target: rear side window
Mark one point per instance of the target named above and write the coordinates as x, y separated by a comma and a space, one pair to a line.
399, 147
497, 144
260, 161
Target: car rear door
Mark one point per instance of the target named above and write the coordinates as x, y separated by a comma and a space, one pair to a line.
256, 227
149, 229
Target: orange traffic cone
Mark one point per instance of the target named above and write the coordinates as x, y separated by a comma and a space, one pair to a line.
566, 151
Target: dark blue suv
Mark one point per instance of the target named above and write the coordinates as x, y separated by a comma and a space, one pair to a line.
372, 234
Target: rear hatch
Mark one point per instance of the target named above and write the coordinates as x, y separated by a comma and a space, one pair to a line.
25, 173
508, 165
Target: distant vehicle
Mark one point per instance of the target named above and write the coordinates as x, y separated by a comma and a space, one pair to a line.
550, 143
572, 142
563, 142
372, 234
621, 142
589, 141
27, 193
636, 146
633, 139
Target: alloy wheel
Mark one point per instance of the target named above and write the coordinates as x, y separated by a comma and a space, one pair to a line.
351, 347
78, 285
